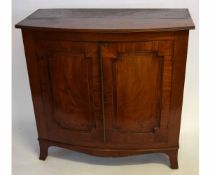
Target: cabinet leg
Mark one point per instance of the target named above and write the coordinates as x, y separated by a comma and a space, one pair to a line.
43, 150
173, 157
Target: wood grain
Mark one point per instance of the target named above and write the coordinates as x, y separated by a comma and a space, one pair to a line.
137, 78
127, 64
109, 20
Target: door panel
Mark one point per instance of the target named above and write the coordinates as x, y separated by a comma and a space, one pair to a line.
137, 85
136, 89
71, 84
70, 87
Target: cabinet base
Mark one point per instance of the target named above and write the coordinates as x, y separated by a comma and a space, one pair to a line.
171, 152
43, 145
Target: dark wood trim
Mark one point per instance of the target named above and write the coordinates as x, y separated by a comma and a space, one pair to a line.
108, 20
171, 152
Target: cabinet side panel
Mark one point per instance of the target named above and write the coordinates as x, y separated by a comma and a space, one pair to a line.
178, 77
34, 81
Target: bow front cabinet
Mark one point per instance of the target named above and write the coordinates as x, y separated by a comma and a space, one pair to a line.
107, 82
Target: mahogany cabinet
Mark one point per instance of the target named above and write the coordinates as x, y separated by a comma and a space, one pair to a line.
107, 82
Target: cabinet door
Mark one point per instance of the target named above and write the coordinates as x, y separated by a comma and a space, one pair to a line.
68, 73
137, 86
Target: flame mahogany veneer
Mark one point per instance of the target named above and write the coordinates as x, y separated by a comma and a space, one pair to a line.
107, 82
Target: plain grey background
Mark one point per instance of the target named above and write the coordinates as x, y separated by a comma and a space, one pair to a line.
25, 146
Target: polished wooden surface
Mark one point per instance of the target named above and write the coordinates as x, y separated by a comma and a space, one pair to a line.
109, 20
69, 81
107, 94
138, 78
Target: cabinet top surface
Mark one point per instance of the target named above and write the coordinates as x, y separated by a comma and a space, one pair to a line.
108, 20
